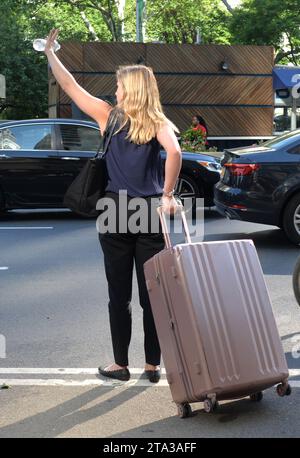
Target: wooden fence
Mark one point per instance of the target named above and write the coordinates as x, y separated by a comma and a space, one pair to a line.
234, 102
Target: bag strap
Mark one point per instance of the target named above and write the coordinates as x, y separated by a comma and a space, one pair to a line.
111, 123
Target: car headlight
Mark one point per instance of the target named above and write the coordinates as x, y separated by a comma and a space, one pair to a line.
212, 166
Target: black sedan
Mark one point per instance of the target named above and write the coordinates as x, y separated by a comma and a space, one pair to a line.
261, 184
40, 158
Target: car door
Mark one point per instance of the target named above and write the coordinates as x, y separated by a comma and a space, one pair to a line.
76, 144
28, 165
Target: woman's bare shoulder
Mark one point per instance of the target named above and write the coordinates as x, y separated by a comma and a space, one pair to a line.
103, 123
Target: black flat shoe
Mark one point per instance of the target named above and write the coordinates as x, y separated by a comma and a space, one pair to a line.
119, 374
153, 376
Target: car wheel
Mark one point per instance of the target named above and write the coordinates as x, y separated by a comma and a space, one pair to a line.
291, 219
185, 188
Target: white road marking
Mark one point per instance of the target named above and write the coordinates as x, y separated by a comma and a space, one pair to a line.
83, 370
87, 382
92, 382
25, 227
4, 268
62, 371
294, 372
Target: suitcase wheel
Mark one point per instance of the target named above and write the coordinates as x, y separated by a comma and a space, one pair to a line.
256, 397
184, 410
210, 405
284, 389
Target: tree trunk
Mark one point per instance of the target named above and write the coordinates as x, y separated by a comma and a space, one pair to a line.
229, 8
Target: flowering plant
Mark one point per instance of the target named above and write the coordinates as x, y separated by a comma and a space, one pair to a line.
193, 140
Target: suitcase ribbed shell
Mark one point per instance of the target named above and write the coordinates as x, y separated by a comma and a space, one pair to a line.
214, 320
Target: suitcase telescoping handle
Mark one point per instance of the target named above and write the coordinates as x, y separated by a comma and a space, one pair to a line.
164, 226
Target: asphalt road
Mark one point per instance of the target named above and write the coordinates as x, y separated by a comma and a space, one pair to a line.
53, 314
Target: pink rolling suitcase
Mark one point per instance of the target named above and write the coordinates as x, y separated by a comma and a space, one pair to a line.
214, 320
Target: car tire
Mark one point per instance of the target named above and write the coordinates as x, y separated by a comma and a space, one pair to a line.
187, 187
291, 219
296, 280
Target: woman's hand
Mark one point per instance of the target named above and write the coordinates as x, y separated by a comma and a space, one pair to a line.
170, 205
50, 40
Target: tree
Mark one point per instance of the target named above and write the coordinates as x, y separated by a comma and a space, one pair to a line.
269, 22
109, 13
177, 21
228, 6
171, 21
73, 21
26, 70
21, 67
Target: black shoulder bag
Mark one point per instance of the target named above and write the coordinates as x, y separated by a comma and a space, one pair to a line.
89, 185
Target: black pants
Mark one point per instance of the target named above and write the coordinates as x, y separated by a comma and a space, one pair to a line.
121, 251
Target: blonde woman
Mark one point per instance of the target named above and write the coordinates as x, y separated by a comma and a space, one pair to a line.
134, 165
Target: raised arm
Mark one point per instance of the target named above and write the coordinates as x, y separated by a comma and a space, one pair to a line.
95, 108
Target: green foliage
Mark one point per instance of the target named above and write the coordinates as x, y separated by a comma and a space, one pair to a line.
26, 70
192, 140
269, 22
66, 16
262, 22
176, 21
21, 66
68, 20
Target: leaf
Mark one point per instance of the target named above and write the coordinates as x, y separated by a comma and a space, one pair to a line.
269, 22
5, 387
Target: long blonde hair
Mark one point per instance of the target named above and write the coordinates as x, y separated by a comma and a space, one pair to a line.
141, 106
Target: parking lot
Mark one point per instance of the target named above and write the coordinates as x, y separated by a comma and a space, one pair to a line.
54, 320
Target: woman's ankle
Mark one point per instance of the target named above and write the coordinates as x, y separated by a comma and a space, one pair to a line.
151, 367
116, 366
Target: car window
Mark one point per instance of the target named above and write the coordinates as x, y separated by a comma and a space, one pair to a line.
282, 141
34, 136
294, 150
79, 138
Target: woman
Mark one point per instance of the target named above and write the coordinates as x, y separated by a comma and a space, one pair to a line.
134, 165
198, 123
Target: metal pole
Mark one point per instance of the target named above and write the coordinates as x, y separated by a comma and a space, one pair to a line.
294, 114
144, 19
198, 38
2, 87
139, 20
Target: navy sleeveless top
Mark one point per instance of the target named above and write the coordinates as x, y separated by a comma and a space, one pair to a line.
136, 168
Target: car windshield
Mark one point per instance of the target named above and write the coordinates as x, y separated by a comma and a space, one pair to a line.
283, 140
